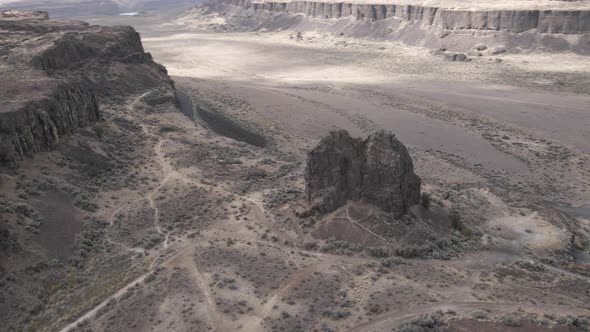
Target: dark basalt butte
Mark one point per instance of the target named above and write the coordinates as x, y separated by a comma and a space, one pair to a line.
378, 169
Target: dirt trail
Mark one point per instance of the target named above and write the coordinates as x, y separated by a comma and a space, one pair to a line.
254, 323
187, 261
349, 218
91, 313
168, 174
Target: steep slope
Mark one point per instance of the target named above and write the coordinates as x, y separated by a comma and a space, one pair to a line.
76, 64
67, 135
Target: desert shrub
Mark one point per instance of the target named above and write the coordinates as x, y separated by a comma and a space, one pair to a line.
341, 247
440, 249
479, 314
151, 277
422, 324
335, 315
279, 197
509, 320
152, 240
579, 323
378, 251
531, 266
455, 218
391, 262
98, 131
310, 245
168, 129
425, 200
90, 240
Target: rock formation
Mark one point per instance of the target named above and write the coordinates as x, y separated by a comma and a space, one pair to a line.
545, 21
378, 170
60, 73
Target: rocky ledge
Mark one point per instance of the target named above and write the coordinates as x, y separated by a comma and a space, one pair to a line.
57, 74
378, 170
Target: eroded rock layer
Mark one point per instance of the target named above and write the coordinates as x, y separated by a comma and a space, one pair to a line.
39, 125
59, 73
544, 21
378, 170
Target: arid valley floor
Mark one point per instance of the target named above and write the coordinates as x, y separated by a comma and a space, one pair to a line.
203, 229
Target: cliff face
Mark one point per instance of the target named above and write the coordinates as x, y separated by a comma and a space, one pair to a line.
545, 21
75, 47
62, 72
39, 125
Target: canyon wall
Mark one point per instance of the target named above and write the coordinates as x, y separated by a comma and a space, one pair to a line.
62, 73
39, 125
545, 21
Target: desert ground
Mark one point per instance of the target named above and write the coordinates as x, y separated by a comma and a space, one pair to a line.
201, 223
503, 138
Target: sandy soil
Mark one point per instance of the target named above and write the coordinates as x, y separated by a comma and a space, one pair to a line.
477, 111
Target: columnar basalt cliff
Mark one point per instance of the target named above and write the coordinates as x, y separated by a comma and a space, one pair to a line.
60, 73
378, 170
39, 125
545, 21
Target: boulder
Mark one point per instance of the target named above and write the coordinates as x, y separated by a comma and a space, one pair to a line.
450, 56
498, 50
378, 170
456, 57
461, 57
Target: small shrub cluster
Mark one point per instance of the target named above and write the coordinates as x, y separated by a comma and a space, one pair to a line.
151, 241
341, 248
440, 249
392, 262
508, 320
579, 323
479, 314
90, 240
336, 315
423, 324
279, 197
531, 266
310, 245
425, 200
455, 219
379, 252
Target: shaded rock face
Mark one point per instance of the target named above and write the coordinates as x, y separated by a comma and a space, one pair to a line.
40, 124
378, 170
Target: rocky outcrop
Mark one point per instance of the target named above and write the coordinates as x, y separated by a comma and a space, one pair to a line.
78, 46
61, 73
515, 21
378, 170
40, 125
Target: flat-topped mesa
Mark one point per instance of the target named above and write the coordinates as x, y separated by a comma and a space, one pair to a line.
509, 20
378, 170
78, 46
60, 72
